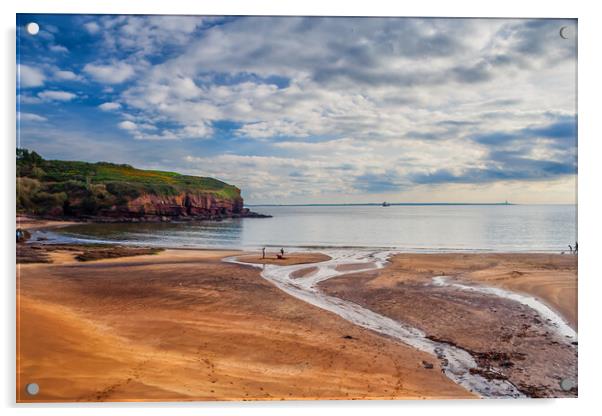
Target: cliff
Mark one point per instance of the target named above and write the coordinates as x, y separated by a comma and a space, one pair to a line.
183, 206
110, 192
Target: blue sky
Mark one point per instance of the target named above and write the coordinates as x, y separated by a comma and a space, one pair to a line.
308, 110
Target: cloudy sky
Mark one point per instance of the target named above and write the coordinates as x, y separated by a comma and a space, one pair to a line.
311, 110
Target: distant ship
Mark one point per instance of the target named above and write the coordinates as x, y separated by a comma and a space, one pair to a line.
386, 204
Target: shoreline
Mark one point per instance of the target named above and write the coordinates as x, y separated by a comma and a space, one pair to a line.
155, 219
289, 248
28, 223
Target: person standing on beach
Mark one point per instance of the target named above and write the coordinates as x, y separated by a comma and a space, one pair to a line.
282, 252
570, 248
263, 253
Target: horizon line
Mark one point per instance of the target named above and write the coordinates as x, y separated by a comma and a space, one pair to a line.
381, 203
404, 204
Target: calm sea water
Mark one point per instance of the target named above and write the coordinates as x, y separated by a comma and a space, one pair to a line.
407, 228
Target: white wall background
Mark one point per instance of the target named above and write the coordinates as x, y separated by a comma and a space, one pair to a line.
590, 174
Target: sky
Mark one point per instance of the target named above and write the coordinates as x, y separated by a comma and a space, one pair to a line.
310, 109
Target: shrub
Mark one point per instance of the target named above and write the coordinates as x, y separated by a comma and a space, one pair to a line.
37, 172
47, 202
27, 188
124, 189
71, 187
89, 205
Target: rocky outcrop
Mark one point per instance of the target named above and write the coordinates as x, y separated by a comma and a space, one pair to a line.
182, 207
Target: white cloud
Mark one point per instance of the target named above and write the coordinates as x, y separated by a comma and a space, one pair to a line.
50, 95
92, 27
30, 76
58, 48
109, 106
30, 117
265, 178
144, 35
28, 99
67, 76
143, 129
114, 73
127, 125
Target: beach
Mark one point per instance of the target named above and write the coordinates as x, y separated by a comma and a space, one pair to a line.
187, 325
183, 325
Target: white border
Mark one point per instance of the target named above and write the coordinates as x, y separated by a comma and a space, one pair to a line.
590, 137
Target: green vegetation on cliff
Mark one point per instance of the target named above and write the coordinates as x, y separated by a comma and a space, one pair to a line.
57, 187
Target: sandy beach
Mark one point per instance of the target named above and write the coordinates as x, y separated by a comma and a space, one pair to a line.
183, 325
32, 223
119, 324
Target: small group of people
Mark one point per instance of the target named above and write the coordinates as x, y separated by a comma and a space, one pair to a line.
280, 256
21, 235
573, 250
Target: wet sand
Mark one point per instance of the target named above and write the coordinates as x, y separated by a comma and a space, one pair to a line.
509, 340
549, 277
307, 271
183, 325
288, 260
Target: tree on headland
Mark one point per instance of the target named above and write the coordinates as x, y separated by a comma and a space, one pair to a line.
29, 163
26, 157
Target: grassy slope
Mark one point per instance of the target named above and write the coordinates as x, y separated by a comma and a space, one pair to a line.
157, 182
57, 187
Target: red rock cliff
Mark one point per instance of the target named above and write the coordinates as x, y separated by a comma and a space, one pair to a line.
182, 206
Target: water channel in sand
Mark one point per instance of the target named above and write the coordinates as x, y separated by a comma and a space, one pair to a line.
552, 319
455, 362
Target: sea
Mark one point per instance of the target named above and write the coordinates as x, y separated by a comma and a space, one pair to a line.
407, 228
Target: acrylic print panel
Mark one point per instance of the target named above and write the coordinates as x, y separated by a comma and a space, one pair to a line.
268, 208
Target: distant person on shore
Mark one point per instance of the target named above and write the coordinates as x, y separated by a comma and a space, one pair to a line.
575, 247
570, 248
263, 253
282, 252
